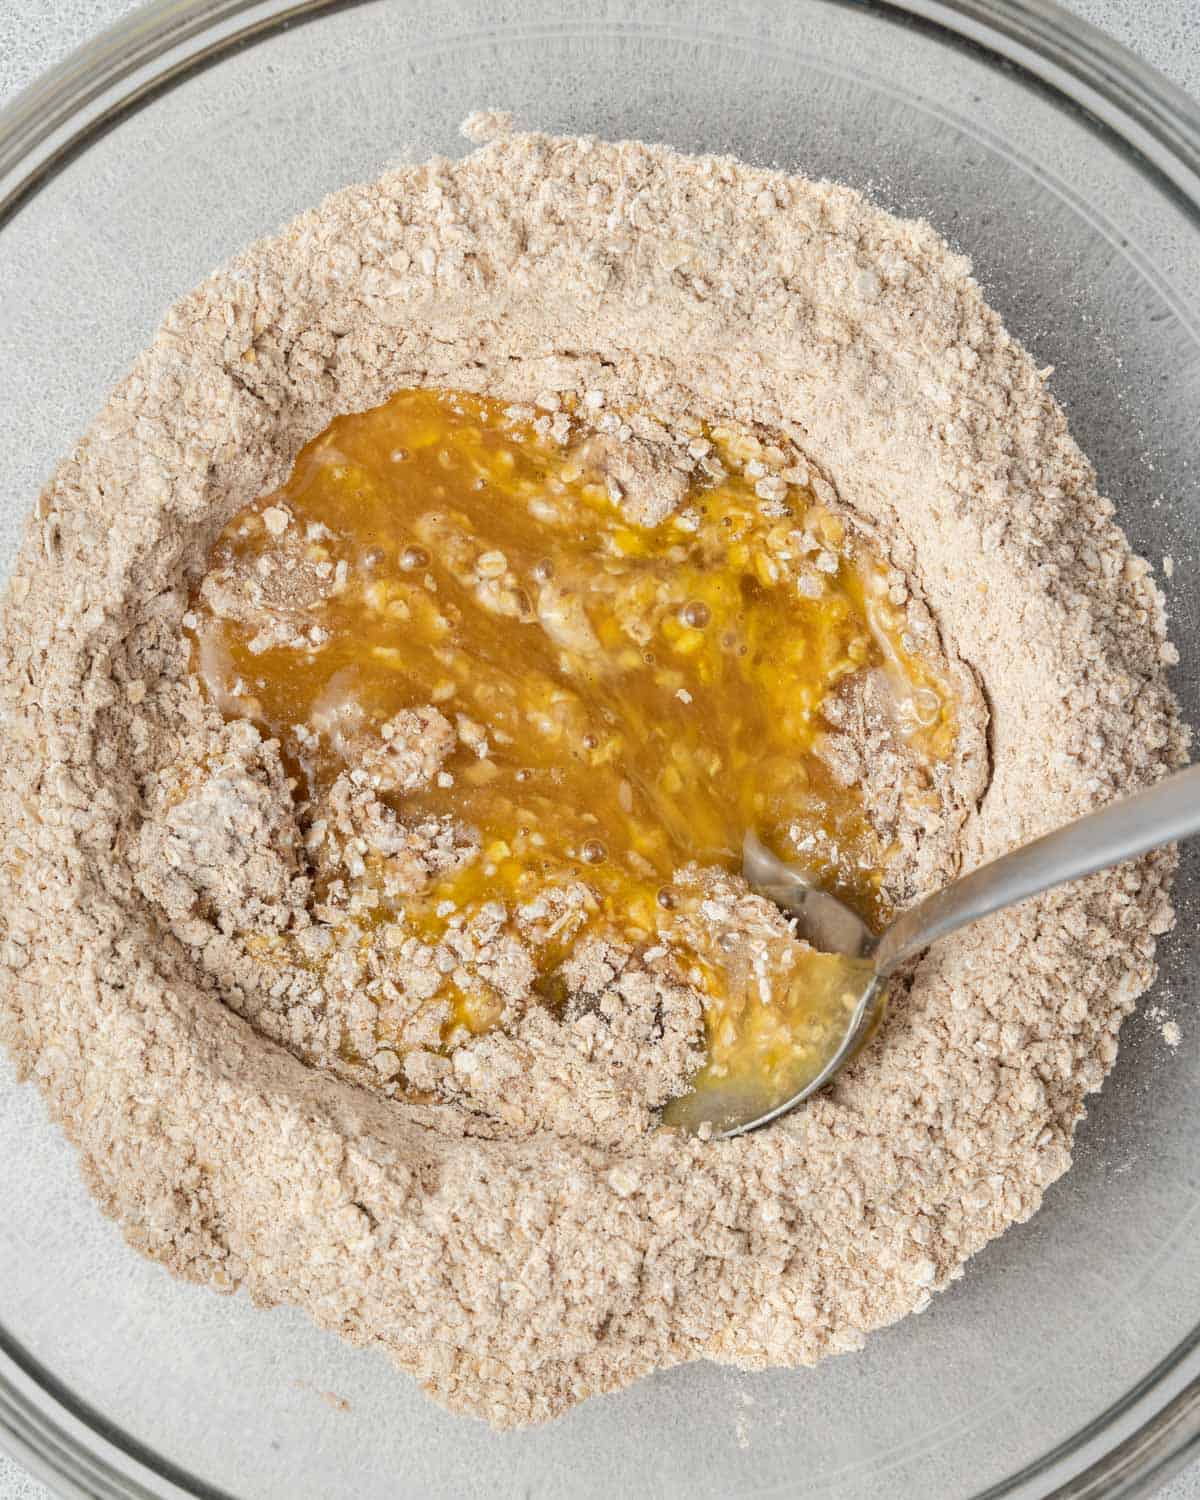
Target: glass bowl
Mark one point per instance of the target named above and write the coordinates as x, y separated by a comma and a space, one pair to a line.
1067, 1360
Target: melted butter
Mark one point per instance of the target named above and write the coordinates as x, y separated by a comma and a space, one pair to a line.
629, 700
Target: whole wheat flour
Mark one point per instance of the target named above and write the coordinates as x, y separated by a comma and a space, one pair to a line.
507, 1222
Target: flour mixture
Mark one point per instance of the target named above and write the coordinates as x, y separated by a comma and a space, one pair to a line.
389, 679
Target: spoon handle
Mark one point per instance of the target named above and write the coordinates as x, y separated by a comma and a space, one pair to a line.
1167, 811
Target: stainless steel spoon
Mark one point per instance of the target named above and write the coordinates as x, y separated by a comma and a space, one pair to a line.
1165, 812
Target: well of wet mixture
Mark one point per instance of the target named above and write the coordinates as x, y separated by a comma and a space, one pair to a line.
386, 683
534, 678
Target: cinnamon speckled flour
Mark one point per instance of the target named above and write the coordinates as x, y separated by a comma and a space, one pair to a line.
506, 1222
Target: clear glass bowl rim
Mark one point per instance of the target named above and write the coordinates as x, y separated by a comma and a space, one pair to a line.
125, 67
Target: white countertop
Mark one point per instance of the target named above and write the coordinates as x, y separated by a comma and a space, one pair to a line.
34, 35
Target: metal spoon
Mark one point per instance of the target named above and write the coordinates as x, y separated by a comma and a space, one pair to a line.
1165, 812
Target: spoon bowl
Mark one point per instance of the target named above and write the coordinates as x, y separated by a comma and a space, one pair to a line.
1161, 814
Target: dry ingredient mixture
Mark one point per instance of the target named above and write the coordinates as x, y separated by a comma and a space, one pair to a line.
752, 511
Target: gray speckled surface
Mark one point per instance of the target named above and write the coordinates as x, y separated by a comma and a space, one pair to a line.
35, 34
